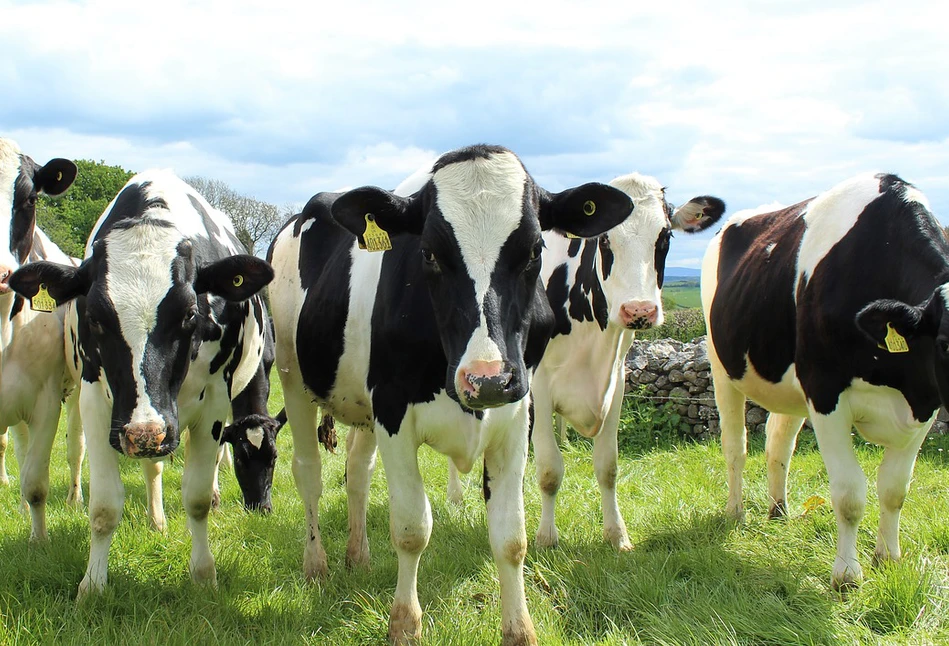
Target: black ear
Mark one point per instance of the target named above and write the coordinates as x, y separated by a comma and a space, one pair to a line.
63, 282
698, 214
235, 278
55, 177
585, 211
392, 213
909, 321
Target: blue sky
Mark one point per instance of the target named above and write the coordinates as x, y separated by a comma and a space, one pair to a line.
754, 102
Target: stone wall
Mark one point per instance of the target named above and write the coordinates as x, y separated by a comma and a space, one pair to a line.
670, 371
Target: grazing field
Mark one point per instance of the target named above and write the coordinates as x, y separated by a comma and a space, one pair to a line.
693, 578
681, 293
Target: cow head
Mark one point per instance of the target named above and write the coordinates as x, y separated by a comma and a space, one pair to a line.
633, 254
21, 181
894, 325
254, 438
479, 219
143, 310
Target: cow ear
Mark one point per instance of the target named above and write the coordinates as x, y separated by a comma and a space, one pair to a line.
585, 211
877, 319
55, 177
362, 207
62, 282
235, 278
698, 214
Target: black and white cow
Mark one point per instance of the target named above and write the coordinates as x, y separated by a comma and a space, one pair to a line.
602, 290
166, 335
33, 377
834, 309
253, 433
433, 342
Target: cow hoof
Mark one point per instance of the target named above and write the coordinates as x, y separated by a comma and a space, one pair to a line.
520, 635
215, 500
316, 569
883, 555
547, 538
846, 579
4, 481
735, 513
357, 556
618, 538
778, 510
88, 589
405, 625
205, 576
74, 498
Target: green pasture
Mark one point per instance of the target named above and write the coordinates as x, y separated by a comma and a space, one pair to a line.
693, 577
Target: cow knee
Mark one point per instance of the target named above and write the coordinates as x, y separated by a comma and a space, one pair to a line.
607, 477
515, 550
198, 508
549, 481
36, 495
410, 539
103, 520
892, 500
850, 506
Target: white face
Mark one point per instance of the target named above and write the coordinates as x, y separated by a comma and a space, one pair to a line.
482, 200
633, 275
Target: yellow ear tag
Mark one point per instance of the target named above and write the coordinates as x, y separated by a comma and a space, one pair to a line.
571, 236
895, 343
238, 280
376, 239
42, 302
589, 207
59, 176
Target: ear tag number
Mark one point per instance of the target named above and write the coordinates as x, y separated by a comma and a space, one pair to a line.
375, 237
42, 302
895, 343
238, 280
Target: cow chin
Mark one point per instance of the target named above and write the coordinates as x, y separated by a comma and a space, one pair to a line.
491, 394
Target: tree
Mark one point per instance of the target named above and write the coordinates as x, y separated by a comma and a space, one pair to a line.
68, 219
255, 222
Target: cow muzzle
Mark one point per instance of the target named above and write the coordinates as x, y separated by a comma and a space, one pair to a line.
147, 440
638, 315
486, 384
5, 273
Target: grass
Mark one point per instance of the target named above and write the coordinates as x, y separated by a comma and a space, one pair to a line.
693, 578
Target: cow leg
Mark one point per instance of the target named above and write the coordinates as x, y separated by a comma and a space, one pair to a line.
456, 492
75, 448
21, 441
781, 438
4, 478
360, 463
504, 464
307, 473
410, 526
197, 480
893, 478
548, 463
216, 484
154, 503
848, 493
106, 492
34, 471
605, 453
731, 413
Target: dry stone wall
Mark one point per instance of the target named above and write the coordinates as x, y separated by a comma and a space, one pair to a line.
677, 373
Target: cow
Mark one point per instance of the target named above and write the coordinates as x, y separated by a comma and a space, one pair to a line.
33, 378
833, 309
601, 291
432, 342
166, 336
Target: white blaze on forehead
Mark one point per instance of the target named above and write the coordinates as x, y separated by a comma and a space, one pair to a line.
483, 201
255, 436
9, 170
829, 217
137, 279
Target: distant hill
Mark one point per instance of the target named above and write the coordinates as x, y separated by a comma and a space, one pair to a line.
682, 272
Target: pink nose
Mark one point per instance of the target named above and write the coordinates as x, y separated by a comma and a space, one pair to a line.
5, 273
143, 439
639, 315
475, 372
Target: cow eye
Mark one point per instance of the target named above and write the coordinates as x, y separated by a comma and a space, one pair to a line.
430, 260
95, 325
31, 200
537, 250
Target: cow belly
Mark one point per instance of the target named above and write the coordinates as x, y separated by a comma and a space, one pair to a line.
882, 415
584, 369
785, 397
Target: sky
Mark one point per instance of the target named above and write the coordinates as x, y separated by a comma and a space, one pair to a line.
753, 102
